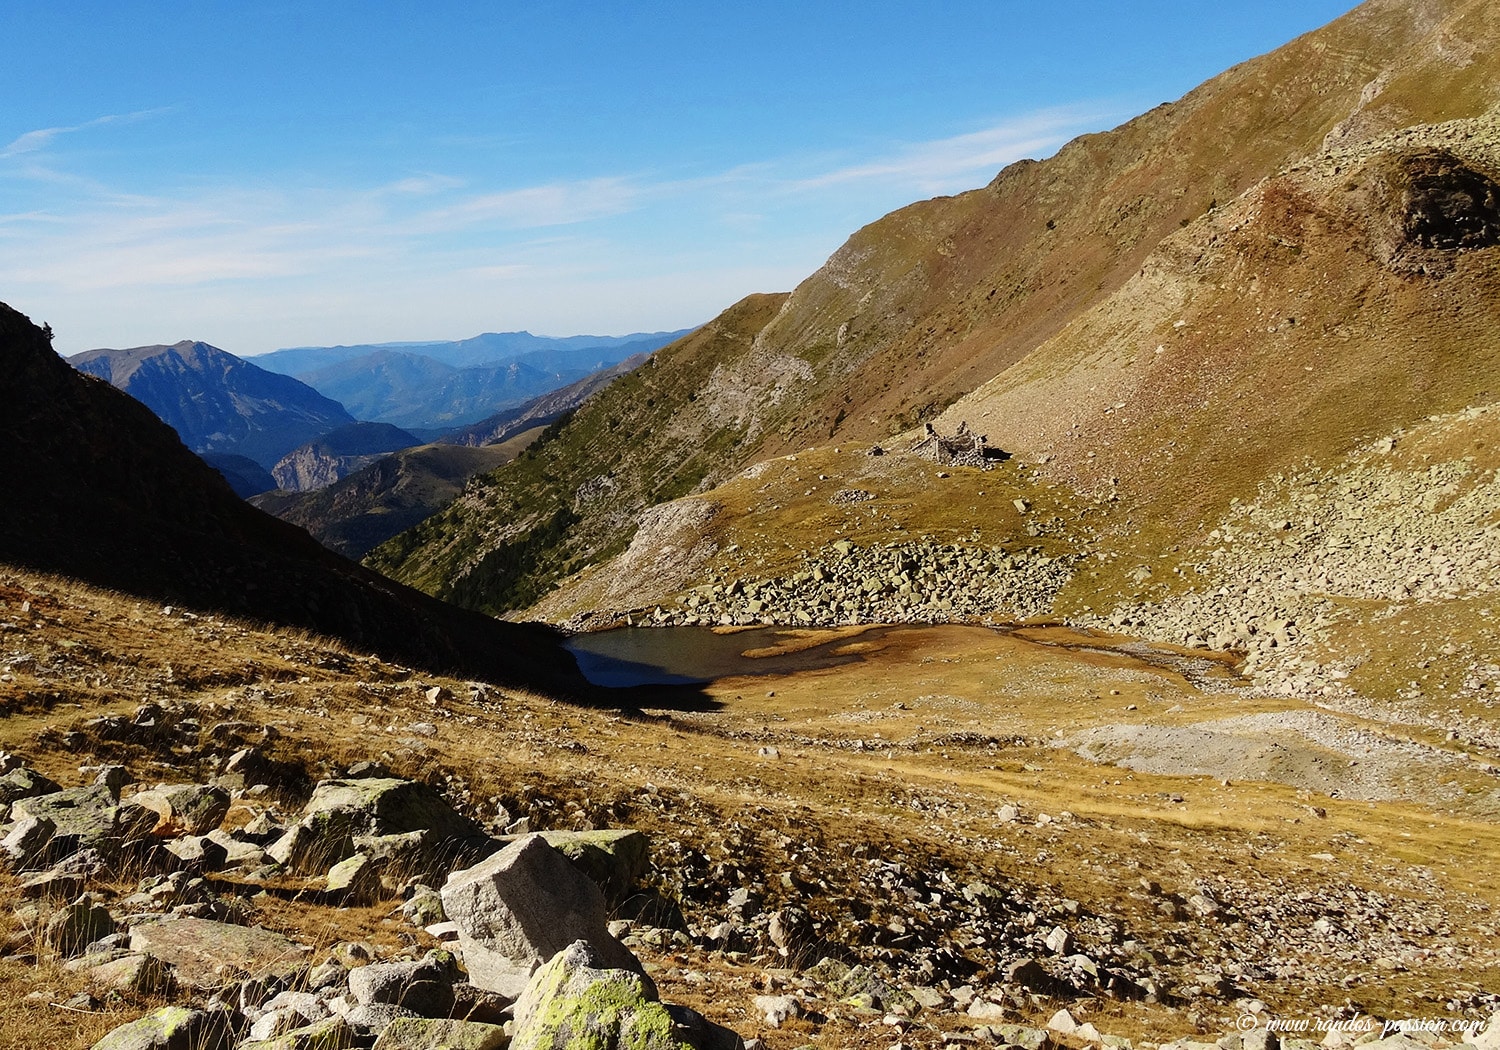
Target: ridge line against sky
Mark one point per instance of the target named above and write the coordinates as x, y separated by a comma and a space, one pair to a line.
367, 174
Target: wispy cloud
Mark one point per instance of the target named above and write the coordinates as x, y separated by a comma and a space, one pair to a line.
41, 138
937, 164
529, 207
447, 246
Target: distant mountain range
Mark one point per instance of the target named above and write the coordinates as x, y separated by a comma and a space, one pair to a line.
487, 349
217, 402
540, 411
360, 511
429, 388
264, 429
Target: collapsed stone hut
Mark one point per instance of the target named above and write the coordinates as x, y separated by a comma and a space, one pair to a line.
964, 449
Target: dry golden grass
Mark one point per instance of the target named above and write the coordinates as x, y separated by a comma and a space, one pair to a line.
925, 703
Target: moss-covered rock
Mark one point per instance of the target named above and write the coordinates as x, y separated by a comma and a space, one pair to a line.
22, 782
342, 810
572, 1004
170, 1028
332, 1034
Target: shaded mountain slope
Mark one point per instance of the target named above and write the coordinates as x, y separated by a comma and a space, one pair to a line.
244, 475
217, 402
101, 490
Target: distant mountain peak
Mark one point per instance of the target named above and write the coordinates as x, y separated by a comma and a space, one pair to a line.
218, 402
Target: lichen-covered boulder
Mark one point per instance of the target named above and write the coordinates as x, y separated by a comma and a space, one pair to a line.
86, 818
170, 1028
22, 782
133, 973
519, 908
340, 810
355, 881
332, 1034
572, 1002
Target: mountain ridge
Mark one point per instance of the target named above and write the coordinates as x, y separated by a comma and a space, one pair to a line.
218, 402
925, 305
337, 454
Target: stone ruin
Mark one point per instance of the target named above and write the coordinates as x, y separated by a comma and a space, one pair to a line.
963, 449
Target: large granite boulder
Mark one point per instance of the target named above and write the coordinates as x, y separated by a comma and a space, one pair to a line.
519, 908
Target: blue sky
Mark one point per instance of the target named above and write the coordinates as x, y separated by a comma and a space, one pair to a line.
260, 175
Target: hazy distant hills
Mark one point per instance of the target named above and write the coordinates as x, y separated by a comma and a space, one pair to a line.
365, 507
218, 402
421, 393
100, 489
487, 349
542, 410
433, 387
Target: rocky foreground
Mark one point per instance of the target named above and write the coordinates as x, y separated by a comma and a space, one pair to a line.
148, 891
903, 849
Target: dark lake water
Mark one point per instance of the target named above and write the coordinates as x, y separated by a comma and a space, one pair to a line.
633, 656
